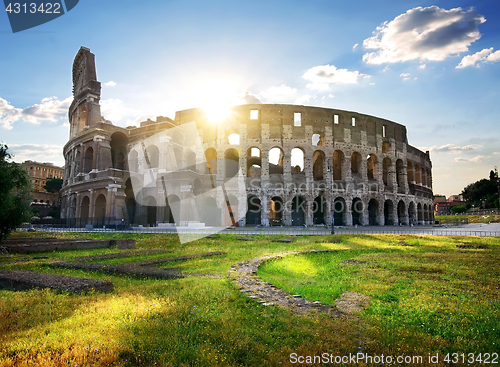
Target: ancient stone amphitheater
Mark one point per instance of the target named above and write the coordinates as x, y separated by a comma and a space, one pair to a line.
261, 164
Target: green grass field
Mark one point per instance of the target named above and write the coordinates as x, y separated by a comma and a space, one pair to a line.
426, 298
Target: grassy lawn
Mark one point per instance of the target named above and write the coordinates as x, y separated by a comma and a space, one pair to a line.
425, 298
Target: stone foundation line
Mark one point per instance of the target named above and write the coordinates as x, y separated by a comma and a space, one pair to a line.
244, 277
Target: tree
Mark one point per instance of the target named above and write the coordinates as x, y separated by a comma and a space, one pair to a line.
15, 194
485, 190
53, 185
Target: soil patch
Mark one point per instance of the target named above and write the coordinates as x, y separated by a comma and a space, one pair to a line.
21, 280
352, 302
471, 245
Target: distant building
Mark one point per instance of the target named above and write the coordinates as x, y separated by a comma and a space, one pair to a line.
38, 174
443, 205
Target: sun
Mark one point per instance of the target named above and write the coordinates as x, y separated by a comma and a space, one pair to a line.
217, 112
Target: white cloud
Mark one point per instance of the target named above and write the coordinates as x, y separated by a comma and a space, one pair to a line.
113, 109
323, 75
481, 57
452, 148
422, 66
355, 46
476, 159
37, 152
249, 98
304, 99
50, 109
280, 94
428, 33
110, 84
406, 76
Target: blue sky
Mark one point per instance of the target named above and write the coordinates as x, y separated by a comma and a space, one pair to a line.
432, 66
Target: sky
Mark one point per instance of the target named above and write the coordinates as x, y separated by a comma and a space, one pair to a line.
431, 66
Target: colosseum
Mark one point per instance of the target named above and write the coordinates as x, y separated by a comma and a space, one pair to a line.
260, 165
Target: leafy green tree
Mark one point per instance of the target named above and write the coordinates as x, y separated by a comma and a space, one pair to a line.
15, 194
485, 190
53, 185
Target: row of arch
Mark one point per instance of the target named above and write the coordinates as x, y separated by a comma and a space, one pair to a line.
386, 171
354, 213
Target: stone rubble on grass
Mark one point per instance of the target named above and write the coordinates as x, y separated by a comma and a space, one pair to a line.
244, 277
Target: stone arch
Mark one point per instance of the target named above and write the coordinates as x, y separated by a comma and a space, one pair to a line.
373, 219
423, 176
319, 210
298, 211
400, 173
356, 164
85, 209
418, 179
211, 157
409, 172
232, 160
357, 211
338, 165
100, 208
372, 167
420, 213
276, 158
152, 156
254, 210
339, 211
130, 202
118, 145
254, 162
388, 213
297, 158
318, 165
172, 209
88, 160
276, 209
425, 214
133, 161
150, 210
386, 175
401, 212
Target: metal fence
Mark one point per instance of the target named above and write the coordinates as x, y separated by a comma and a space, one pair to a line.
242, 231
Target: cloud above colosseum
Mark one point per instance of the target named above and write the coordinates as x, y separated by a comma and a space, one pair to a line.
49, 109
322, 76
250, 98
429, 33
481, 57
280, 94
453, 148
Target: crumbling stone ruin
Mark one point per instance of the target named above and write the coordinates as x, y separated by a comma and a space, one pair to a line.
289, 165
